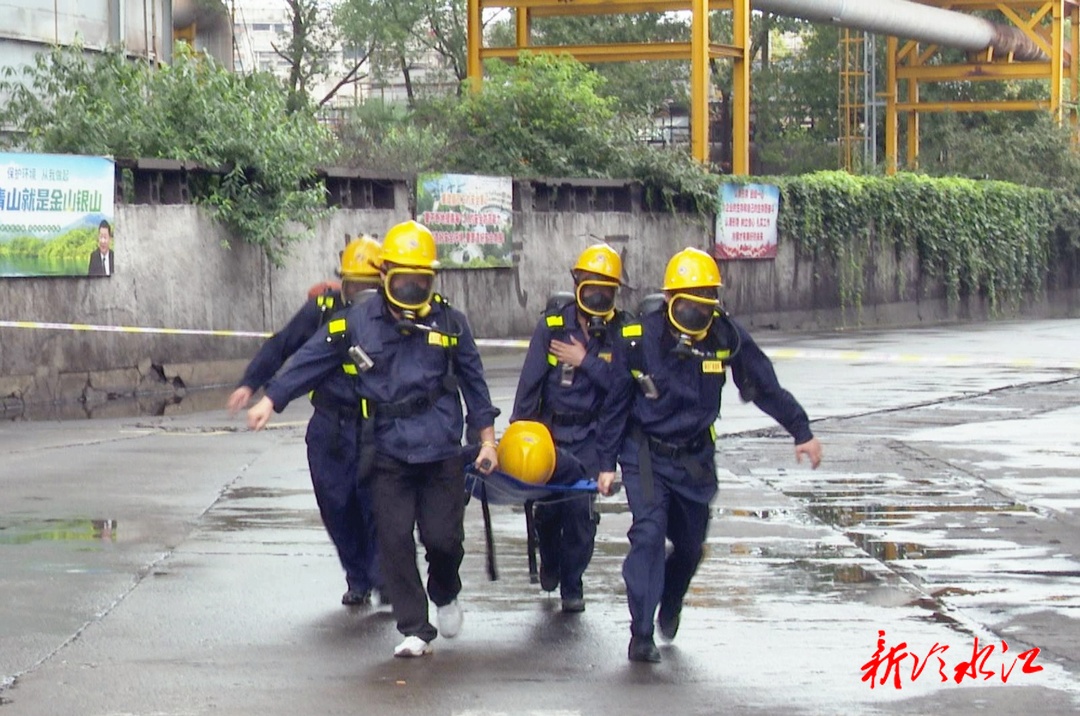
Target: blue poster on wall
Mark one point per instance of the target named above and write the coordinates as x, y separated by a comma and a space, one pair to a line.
56, 213
746, 222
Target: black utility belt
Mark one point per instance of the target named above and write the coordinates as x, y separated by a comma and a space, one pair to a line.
566, 419
411, 406
330, 405
666, 448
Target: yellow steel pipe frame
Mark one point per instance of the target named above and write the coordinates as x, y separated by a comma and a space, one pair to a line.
910, 64
698, 52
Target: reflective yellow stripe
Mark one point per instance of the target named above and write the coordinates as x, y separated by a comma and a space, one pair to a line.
636, 373
350, 368
336, 326
554, 321
632, 330
723, 354
712, 366
552, 360
712, 432
441, 339
364, 408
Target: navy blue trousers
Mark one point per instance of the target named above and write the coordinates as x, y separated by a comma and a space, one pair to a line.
652, 576
345, 506
566, 529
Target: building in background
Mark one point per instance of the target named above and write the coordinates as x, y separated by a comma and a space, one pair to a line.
144, 28
260, 25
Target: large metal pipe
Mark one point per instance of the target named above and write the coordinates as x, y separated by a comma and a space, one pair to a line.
913, 21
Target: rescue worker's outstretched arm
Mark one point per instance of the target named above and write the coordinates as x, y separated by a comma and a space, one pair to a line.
273, 353
530, 388
309, 367
258, 415
754, 375
480, 413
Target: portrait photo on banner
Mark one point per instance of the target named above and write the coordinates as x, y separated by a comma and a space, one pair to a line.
56, 215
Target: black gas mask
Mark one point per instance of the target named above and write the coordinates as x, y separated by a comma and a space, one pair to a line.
356, 290
595, 297
691, 315
409, 289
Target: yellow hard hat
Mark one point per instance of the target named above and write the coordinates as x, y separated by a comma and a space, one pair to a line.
409, 244
359, 257
600, 259
527, 452
691, 268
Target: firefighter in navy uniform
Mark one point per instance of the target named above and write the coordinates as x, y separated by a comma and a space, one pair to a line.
564, 384
344, 504
416, 359
678, 356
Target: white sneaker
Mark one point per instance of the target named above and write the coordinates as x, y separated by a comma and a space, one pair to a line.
450, 618
412, 646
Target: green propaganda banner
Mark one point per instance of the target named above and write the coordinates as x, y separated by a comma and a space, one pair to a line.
471, 217
56, 213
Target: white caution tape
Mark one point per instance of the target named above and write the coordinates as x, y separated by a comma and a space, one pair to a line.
131, 329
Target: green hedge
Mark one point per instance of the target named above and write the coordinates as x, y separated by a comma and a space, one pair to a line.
988, 238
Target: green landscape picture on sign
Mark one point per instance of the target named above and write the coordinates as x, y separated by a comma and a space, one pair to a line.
471, 218
51, 208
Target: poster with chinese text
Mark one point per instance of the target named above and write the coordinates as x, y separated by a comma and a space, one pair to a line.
51, 209
470, 216
746, 222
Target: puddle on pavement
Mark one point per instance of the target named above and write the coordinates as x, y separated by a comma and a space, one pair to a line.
264, 493
265, 508
886, 515
58, 531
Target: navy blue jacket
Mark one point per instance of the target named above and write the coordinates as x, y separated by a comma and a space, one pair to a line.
689, 388
337, 387
405, 367
540, 396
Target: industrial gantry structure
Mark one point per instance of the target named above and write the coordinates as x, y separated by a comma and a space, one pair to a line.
1032, 45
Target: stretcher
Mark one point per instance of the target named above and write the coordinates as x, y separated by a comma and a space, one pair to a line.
499, 488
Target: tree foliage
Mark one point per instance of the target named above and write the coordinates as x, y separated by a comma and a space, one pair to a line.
541, 116
401, 35
193, 109
980, 238
643, 86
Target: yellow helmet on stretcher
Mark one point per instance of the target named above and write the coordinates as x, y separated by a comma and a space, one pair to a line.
527, 452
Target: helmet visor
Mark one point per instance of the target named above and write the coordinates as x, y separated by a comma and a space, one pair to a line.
410, 288
596, 298
692, 314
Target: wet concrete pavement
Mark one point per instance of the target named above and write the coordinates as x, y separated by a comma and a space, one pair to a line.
176, 564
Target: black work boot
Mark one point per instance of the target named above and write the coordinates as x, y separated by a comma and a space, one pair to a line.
573, 605
643, 648
668, 621
549, 578
356, 597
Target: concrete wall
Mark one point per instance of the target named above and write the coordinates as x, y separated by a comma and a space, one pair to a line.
173, 270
